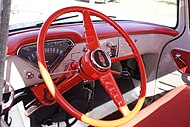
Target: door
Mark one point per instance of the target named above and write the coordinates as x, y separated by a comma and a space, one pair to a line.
174, 63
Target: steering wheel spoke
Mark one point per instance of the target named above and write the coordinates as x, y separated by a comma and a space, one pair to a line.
91, 36
110, 85
115, 59
69, 83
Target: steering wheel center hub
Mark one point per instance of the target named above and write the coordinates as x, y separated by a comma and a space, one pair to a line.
100, 60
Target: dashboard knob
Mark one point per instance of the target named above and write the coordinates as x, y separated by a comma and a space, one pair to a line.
29, 75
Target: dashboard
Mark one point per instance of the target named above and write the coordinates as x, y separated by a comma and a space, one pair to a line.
66, 43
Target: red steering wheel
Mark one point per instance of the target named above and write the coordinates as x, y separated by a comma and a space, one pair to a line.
93, 65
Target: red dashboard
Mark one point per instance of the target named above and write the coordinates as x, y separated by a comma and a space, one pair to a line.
76, 33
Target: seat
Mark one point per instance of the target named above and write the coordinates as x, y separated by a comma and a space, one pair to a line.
171, 110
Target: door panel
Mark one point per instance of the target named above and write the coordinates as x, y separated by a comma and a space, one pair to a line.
182, 60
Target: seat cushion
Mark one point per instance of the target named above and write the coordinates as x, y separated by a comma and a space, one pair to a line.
172, 110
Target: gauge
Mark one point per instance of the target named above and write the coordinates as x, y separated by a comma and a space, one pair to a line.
54, 50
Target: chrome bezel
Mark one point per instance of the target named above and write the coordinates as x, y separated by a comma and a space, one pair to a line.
95, 64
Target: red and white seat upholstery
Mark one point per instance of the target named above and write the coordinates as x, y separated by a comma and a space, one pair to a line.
172, 110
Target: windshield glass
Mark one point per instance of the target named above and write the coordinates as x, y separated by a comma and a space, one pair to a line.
26, 13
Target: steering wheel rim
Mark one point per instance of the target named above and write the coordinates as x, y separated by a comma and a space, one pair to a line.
127, 115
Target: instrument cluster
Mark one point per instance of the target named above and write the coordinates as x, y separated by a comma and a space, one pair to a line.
55, 51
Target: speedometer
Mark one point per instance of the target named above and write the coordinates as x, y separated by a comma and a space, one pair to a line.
54, 50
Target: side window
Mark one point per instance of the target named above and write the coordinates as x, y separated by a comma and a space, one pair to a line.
163, 12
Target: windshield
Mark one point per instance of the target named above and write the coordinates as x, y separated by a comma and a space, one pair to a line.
26, 13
